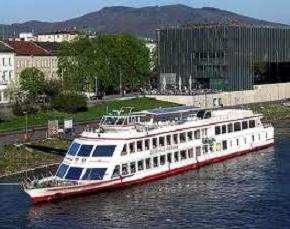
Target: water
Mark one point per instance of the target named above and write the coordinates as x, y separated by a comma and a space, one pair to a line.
251, 191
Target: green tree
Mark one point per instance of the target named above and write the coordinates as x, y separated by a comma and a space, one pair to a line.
32, 80
114, 59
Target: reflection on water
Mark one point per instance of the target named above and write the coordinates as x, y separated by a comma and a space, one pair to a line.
252, 191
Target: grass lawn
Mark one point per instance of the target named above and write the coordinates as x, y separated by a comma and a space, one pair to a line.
93, 113
14, 159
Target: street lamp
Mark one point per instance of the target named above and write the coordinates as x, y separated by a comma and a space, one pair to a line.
26, 125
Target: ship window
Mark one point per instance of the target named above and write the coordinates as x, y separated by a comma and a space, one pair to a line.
224, 129
73, 149
85, 151
124, 151
245, 125
104, 151
238, 142
154, 143
175, 139
94, 174
205, 148
116, 171
182, 137
62, 170
230, 128
190, 153
245, 140
74, 173
139, 146
162, 160
131, 147
231, 143
161, 141
141, 165
237, 126
252, 124
169, 158
176, 156
125, 169
155, 162
198, 151
183, 154
168, 140
189, 135
259, 137
204, 132
218, 147
217, 130
147, 144
253, 138
197, 134
225, 145
148, 163
133, 167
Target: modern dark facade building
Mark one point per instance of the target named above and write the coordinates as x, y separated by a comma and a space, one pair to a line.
223, 57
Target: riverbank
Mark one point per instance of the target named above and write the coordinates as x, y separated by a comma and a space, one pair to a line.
93, 113
21, 158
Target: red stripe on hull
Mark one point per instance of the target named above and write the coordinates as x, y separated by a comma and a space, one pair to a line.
148, 178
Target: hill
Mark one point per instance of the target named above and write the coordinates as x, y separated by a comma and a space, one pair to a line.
139, 21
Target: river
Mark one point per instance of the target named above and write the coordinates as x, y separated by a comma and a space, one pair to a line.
252, 191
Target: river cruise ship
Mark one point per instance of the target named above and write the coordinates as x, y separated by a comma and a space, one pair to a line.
131, 148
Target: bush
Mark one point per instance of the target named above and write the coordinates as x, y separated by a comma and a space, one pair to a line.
70, 103
19, 109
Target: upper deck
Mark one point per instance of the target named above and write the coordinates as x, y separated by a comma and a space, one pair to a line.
121, 125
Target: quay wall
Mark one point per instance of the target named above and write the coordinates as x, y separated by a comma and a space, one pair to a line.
260, 93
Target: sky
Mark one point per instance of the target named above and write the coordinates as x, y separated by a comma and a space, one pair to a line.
18, 11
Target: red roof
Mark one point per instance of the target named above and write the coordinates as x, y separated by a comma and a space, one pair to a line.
26, 48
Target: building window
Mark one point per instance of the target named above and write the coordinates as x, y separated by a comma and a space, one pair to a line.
217, 130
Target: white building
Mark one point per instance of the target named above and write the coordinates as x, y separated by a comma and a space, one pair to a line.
7, 74
27, 36
60, 36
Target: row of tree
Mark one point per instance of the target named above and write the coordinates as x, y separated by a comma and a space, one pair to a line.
118, 61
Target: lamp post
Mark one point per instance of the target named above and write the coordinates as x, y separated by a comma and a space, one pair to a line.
26, 126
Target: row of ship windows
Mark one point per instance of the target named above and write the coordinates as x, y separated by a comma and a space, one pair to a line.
234, 127
76, 173
168, 140
154, 162
87, 150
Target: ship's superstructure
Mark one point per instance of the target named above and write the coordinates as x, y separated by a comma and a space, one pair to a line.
130, 148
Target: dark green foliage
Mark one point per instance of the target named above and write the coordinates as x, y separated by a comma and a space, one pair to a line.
19, 108
71, 103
